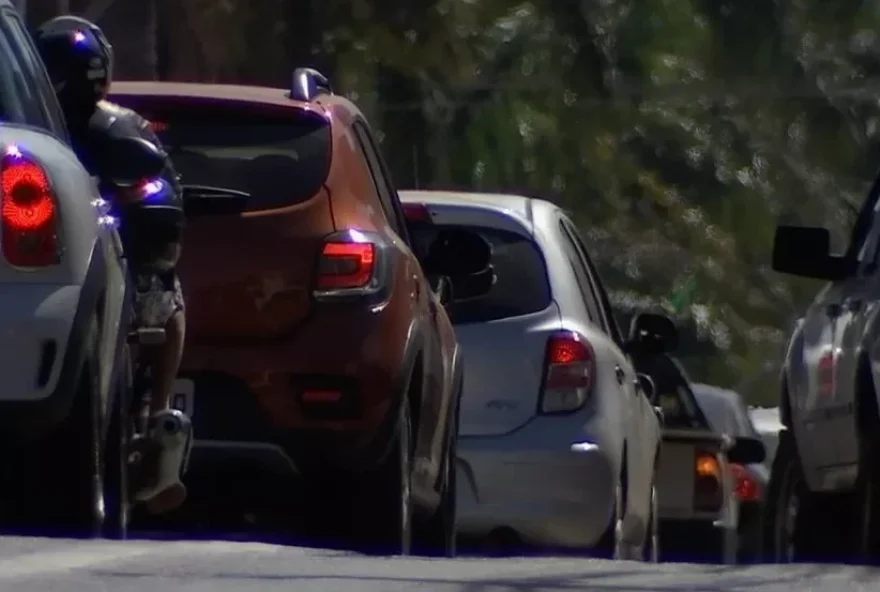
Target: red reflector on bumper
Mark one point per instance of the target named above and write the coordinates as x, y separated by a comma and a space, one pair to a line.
321, 396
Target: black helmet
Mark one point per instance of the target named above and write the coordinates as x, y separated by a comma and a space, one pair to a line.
78, 58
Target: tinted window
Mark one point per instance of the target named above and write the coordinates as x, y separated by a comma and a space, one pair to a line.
610, 319
521, 286
43, 111
382, 180
679, 410
870, 249
674, 395
581, 275
279, 157
11, 106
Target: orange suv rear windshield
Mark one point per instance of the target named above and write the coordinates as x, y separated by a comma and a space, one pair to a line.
279, 156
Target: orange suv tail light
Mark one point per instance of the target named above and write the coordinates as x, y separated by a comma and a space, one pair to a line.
346, 265
28, 212
569, 373
352, 263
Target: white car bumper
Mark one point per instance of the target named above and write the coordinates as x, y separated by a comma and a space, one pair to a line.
35, 324
552, 491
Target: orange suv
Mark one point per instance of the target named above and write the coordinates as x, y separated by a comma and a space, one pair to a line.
317, 347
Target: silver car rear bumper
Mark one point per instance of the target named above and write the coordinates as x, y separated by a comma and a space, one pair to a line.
552, 491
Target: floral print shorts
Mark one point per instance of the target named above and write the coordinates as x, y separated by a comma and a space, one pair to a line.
158, 297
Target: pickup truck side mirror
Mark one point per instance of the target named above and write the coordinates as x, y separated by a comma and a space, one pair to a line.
805, 252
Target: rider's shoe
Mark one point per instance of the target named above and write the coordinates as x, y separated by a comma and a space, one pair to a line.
165, 453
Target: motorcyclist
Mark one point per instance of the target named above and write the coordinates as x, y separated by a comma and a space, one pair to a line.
79, 61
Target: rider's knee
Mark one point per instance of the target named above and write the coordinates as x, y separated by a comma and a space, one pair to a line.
175, 329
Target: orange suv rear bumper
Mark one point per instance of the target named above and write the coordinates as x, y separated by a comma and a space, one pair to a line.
318, 399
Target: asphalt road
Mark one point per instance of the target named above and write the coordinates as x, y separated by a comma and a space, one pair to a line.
44, 565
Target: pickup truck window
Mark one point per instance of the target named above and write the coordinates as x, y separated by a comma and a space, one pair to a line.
674, 395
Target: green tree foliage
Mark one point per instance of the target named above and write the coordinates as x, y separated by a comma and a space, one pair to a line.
676, 132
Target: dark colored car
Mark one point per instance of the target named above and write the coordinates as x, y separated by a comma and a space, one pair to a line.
316, 346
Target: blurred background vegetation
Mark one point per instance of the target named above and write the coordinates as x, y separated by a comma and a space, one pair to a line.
677, 132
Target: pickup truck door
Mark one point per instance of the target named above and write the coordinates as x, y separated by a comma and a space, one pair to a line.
812, 399
857, 307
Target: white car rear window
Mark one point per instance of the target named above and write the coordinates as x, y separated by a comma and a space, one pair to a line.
521, 285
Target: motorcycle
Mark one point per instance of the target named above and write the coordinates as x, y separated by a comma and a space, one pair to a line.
144, 208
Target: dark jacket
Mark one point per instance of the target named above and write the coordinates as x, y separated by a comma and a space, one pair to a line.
150, 228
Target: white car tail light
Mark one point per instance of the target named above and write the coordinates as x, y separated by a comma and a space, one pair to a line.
28, 212
569, 373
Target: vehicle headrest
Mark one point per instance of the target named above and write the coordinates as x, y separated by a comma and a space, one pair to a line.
269, 174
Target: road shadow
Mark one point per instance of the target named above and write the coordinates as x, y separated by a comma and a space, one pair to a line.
724, 579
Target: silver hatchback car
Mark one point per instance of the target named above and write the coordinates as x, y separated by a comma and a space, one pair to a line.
558, 444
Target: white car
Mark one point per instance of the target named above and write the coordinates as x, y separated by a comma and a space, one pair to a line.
558, 444
63, 327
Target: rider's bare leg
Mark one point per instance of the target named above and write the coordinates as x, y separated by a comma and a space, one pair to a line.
165, 362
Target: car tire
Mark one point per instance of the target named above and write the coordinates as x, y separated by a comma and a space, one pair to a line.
63, 493
387, 514
867, 507
866, 521
651, 547
80, 507
437, 536
749, 532
117, 495
799, 525
612, 546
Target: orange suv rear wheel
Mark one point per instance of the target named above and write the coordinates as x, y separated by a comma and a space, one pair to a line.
385, 519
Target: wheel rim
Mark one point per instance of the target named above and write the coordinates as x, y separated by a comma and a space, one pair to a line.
405, 490
786, 519
99, 508
124, 489
452, 485
867, 516
653, 554
121, 488
99, 504
619, 552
